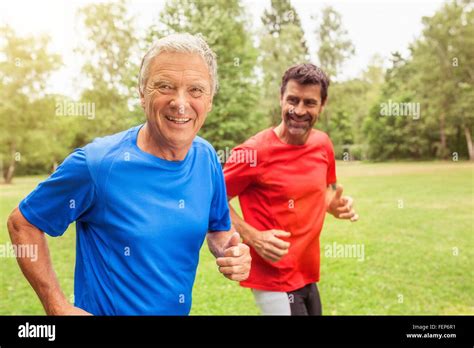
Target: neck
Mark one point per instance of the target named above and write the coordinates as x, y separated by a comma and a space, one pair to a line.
284, 135
156, 146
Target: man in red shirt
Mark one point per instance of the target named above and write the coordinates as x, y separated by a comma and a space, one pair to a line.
285, 178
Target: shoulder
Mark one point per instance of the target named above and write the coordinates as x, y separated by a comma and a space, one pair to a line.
203, 144
99, 147
260, 140
259, 144
320, 137
204, 149
101, 152
319, 134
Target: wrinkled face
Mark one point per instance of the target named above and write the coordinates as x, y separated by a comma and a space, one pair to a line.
177, 97
300, 108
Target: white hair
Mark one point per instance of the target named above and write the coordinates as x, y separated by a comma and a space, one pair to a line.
180, 43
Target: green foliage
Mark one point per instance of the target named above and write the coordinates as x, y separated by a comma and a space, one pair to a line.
111, 69
27, 113
346, 109
334, 45
282, 45
439, 77
345, 99
345, 106
437, 74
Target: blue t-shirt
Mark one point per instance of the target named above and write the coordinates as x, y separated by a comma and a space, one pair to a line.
140, 222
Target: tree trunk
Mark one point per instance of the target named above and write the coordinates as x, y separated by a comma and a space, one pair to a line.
10, 170
8, 173
443, 151
470, 149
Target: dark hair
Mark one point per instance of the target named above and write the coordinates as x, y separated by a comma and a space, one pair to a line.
306, 74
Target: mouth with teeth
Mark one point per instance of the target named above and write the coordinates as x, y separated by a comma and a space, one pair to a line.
299, 119
298, 122
178, 120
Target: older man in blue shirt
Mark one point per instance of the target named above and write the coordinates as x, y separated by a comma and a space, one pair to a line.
143, 200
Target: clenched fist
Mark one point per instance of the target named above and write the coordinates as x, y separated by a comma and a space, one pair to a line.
236, 260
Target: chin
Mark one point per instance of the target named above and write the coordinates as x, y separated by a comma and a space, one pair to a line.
182, 139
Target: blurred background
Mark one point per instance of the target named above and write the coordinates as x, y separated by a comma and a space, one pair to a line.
400, 115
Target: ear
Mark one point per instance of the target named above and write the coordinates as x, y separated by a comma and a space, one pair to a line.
322, 108
142, 98
209, 106
324, 105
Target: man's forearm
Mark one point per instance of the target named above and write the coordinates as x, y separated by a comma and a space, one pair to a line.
245, 230
38, 271
216, 242
330, 193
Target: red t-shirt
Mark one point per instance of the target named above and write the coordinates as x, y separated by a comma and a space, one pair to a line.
282, 186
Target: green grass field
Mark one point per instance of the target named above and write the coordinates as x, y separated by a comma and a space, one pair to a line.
416, 227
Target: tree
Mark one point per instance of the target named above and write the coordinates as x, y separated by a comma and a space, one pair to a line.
282, 44
27, 113
334, 45
400, 136
348, 104
281, 15
334, 48
224, 25
112, 57
442, 59
437, 77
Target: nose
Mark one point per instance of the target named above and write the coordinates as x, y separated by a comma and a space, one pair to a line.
299, 110
179, 103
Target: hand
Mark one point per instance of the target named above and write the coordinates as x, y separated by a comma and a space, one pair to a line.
67, 309
341, 207
268, 244
236, 260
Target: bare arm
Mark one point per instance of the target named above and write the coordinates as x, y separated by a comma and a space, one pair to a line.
266, 243
247, 231
217, 241
39, 271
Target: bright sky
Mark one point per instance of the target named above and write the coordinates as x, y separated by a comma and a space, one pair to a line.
374, 26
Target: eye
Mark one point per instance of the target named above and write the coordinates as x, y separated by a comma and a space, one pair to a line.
292, 101
311, 103
165, 88
196, 91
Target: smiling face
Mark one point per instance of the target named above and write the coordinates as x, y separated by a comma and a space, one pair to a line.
176, 98
301, 106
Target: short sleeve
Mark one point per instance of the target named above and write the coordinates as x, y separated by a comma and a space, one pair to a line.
219, 218
240, 170
62, 198
331, 171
